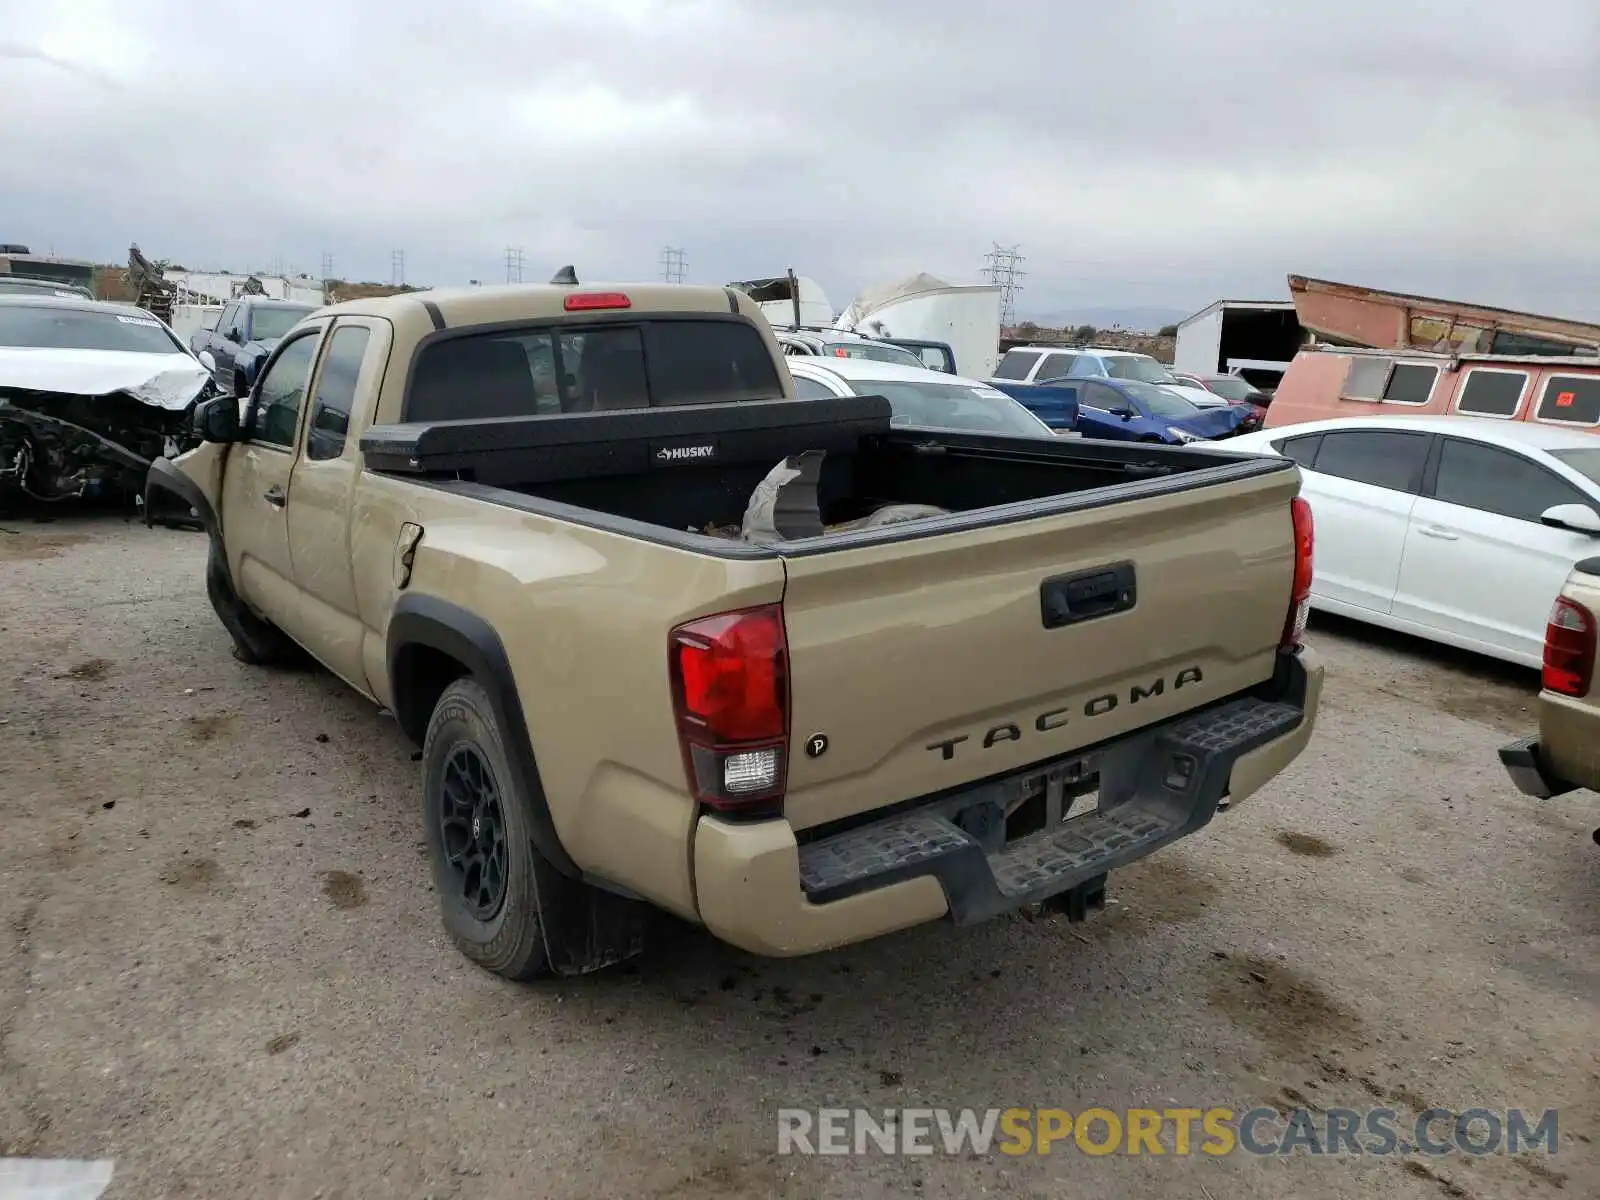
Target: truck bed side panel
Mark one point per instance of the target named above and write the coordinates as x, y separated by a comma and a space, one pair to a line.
927, 664
583, 615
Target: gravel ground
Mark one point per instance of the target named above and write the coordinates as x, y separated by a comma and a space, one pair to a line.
222, 966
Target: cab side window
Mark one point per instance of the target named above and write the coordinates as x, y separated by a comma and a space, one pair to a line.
281, 393
336, 390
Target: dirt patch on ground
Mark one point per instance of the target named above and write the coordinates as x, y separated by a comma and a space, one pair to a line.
192, 874
1305, 844
16, 546
89, 668
345, 890
1164, 888
1419, 1170
1289, 1011
204, 729
1539, 1171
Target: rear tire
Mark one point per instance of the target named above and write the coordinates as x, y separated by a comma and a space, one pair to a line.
256, 642
480, 841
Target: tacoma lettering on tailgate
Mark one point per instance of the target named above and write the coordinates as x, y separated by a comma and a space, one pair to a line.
1055, 718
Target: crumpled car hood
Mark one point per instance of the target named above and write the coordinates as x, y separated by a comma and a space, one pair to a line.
170, 381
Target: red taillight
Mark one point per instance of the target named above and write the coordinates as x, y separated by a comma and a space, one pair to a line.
1294, 629
730, 692
582, 301
1569, 649
841, 354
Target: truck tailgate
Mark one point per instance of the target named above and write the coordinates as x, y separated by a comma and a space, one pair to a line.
927, 663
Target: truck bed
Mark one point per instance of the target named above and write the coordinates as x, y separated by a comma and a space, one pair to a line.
1074, 592
616, 470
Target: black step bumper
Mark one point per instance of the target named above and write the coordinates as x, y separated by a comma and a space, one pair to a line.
1522, 762
1155, 786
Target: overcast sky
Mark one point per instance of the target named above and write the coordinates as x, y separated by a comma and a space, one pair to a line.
1139, 152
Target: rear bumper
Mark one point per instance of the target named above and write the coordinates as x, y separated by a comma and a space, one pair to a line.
759, 889
1524, 763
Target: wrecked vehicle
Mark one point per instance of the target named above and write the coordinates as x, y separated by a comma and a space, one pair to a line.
906, 675
90, 395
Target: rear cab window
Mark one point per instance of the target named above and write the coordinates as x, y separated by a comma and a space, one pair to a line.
596, 366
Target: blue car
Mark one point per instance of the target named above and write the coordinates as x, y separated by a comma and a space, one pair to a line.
1126, 410
1055, 403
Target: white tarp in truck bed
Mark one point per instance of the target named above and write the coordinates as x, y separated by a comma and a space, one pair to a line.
169, 381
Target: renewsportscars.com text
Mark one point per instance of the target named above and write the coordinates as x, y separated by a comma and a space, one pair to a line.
1178, 1132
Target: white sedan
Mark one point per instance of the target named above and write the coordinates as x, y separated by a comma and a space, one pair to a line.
918, 396
1456, 529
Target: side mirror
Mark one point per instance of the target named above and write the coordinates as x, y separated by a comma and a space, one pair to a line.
217, 419
233, 335
1579, 518
1125, 413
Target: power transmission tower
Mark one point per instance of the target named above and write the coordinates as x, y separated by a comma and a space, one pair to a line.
1000, 269
513, 264
397, 268
673, 267
327, 266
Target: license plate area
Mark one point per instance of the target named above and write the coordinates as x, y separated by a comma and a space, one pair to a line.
1040, 800
1049, 798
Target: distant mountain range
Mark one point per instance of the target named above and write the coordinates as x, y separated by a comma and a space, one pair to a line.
1145, 318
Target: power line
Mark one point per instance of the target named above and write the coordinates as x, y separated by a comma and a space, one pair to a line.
673, 267
1000, 269
513, 264
397, 268
327, 266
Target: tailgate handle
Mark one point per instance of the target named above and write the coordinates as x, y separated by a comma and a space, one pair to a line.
1085, 595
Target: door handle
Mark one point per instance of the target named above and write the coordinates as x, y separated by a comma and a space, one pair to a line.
274, 496
1435, 531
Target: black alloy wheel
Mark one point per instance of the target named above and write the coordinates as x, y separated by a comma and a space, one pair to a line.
472, 830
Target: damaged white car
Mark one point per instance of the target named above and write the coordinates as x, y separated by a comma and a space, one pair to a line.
90, 394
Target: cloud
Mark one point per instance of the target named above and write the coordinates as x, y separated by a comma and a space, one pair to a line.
1139, 153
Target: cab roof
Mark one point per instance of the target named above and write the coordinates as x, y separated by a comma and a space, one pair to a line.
468, 306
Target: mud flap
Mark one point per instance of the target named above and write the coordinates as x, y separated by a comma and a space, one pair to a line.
586, 928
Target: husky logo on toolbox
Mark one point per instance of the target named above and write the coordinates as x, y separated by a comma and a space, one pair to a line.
1055, 718
677, 454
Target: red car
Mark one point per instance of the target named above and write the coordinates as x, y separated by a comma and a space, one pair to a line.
1235, 390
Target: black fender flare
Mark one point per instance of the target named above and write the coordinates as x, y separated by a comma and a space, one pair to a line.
164, 477
422, 620
1589, 566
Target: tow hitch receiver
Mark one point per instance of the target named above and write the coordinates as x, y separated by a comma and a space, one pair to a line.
1079, 901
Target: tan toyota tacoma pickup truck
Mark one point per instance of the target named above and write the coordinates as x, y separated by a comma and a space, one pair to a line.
520, 519
1565, 754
